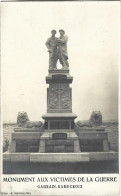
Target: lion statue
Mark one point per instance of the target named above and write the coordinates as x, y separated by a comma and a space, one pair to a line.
95, 120
23, 121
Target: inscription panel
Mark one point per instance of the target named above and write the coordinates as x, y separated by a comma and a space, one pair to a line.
59, 77
59, 125
59, 96
59, 136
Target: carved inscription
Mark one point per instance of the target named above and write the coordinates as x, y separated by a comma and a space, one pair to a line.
59, 136
53, 97
59, 96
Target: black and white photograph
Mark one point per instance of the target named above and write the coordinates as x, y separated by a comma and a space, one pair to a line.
60, 97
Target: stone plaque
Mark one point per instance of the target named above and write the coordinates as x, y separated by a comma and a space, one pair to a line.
59, 125
59, 77
59, 136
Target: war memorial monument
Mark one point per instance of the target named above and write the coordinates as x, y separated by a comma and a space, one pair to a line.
59, 138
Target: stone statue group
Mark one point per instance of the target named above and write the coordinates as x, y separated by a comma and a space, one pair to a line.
57, 48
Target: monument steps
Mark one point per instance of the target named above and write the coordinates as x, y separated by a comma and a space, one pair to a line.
60, 157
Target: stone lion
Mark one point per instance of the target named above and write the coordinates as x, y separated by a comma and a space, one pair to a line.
23, 121
95, 120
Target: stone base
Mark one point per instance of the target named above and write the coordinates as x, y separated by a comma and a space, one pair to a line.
26, 139
93, 139
48, 141
60, 157
68, 144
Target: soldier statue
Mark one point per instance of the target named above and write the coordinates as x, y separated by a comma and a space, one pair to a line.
51, 44
62, 49
57, 48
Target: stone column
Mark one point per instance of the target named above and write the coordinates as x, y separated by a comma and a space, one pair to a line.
42, 146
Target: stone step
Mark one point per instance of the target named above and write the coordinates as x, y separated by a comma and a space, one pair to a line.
60, 157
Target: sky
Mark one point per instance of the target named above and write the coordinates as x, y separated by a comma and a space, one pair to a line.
93, 29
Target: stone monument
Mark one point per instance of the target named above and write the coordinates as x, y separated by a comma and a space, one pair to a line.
59, 135
59, 139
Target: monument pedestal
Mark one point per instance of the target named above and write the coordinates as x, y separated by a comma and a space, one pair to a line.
62, 141
59, 135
